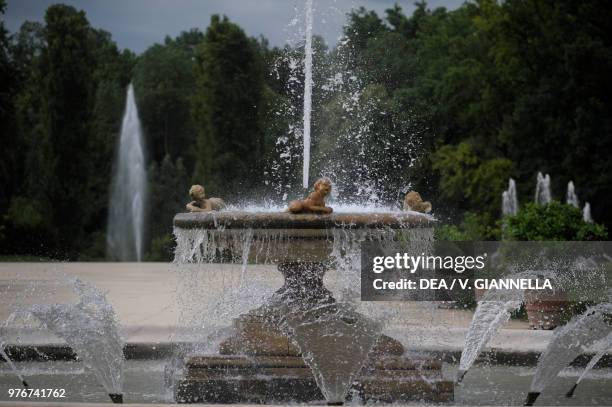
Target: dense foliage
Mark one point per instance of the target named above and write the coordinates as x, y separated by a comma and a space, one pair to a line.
450, 103
555, 221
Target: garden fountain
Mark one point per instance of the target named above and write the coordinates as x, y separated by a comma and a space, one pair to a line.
129, 187
492, 312
542, 194
510, 199
88, 326
586, 213
301, 343
593, 326
571, 198
14, 369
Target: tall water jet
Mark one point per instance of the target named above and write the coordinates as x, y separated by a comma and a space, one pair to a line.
542, 195
571, 198
586, 213
307, 91
128, 190
509, 199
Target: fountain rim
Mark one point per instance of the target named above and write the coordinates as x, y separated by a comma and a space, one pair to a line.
285, 220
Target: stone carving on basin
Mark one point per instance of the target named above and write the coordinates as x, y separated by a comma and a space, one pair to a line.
307, 345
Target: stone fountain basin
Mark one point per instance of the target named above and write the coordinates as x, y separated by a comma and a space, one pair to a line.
275, 237
285, 220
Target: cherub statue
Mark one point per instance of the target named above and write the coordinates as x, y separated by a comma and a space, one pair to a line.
202, 204
315, 203
414, 202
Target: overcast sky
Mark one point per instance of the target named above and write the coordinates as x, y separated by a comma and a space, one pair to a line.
137, 24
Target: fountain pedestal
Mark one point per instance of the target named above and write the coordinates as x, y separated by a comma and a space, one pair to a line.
302, 345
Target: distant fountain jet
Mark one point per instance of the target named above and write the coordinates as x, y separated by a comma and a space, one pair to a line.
128, 189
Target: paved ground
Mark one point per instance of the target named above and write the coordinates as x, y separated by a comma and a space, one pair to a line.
144, 296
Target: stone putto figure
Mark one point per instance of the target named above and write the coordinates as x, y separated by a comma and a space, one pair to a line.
315, 202
414, 202
202, 204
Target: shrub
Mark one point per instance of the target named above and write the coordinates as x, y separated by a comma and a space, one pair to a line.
473, 227
162, 248
555, 221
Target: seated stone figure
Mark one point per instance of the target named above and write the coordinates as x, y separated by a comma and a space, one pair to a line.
315, 202
202, 204
414, 202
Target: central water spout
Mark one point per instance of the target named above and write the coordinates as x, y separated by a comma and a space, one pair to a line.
307, 91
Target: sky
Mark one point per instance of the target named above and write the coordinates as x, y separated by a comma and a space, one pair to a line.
138, 24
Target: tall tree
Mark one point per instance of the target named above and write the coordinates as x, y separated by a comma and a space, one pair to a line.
164, 81
9, 160
227, 109
68, 115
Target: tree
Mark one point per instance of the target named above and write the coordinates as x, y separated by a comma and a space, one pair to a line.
164, 80
467, 181
169, 186
227, 110
9, 157
68, 113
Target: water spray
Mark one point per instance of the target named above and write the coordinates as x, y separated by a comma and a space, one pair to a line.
307, 91
587, 369
5, 356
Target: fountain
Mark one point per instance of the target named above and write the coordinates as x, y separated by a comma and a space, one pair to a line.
607, 345
509, 199
542, 194
586, 213
571, 198
128, 190
89, 327
492, 313
307, 92
594, 325
301, 343
14, 369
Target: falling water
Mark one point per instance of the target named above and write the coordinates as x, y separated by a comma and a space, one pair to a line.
571, 197
129, 187
607, 344
90, 328
568, 342
491, 314
3, 355
350, 333
586, 213
509, 199
542, 195
307, 91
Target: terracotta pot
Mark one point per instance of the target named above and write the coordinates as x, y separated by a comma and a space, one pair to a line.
545, 311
